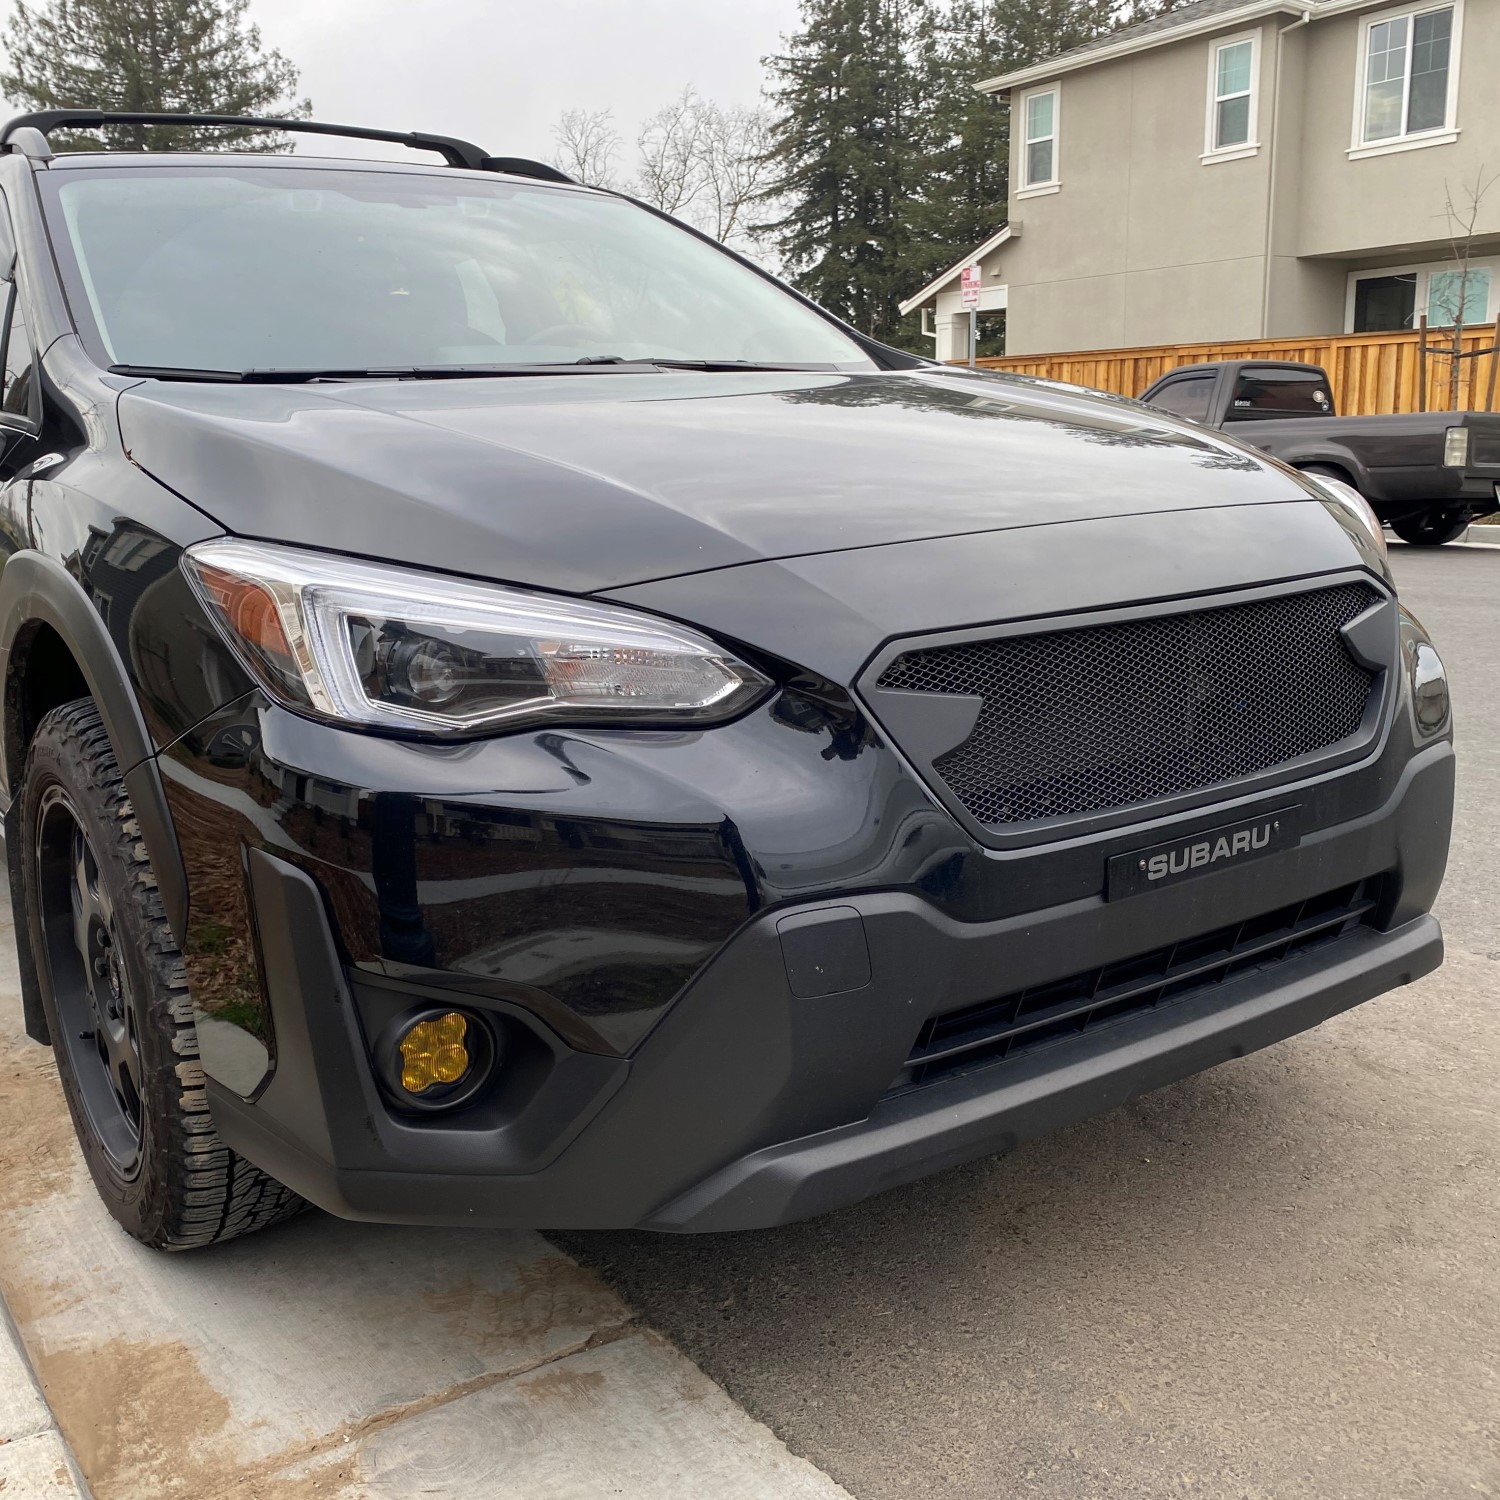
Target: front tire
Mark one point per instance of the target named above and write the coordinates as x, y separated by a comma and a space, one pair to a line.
1431, 528
116, 998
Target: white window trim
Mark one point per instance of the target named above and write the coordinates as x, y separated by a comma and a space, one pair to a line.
1241, 149
1444, 135
1054, 182
1422, 270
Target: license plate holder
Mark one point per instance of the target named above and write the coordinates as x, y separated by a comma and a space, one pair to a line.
1225, 847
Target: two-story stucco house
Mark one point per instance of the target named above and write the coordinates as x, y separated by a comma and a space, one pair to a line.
1244, 169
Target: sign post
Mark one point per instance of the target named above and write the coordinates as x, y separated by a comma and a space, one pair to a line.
969, 283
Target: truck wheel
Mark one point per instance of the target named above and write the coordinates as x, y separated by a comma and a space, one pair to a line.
116, 997
1431, 528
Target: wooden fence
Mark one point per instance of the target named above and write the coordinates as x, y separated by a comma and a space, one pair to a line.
1371, 372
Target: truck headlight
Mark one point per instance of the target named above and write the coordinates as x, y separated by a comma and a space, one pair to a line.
1456, 447
385, 647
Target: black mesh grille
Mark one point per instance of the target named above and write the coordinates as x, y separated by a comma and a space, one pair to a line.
1104, 716
1017, 1023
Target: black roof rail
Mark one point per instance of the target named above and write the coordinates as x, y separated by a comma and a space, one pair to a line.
455, 152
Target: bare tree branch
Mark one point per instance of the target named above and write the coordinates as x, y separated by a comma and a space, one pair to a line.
587, 144
734, 148
1462, 216
695, 160
671, 176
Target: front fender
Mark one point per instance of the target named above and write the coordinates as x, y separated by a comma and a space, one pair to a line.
37, 590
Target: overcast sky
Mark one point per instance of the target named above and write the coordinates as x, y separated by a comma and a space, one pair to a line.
501, 71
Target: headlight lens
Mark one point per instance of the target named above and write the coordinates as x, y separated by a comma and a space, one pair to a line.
1430, 701
1456, 447
1345, 498
389, 648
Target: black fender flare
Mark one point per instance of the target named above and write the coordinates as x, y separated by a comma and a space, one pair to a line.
1333, 458
36, 589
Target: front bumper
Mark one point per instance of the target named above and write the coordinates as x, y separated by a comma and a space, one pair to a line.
994, 1110
761, 1095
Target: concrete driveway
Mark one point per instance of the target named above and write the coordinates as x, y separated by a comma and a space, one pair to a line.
1276, 1280
326, 1359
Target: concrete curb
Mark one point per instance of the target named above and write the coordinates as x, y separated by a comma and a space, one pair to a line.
35, 1461
1466, 541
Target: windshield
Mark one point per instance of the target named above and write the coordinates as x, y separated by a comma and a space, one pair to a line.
242, 268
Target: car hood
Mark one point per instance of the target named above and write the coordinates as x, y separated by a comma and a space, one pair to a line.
591, 481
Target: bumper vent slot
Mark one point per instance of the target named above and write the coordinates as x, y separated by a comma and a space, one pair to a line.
1018, 1023
1099, 717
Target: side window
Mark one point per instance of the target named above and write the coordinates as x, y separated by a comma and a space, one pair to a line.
15, 393
1188, 397
16, 355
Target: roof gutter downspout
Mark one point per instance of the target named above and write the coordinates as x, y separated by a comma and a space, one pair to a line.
1275, 149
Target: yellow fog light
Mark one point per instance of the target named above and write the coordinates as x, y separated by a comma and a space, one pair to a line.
434, 1061
433, 1052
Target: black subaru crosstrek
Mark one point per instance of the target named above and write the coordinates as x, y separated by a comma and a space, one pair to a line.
513, 716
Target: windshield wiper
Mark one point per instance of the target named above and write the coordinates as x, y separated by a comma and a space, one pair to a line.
713, 366
595, 364
272, 376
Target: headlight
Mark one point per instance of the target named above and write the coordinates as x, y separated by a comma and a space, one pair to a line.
1430, 702
388, 648
1456, 447
1348, 500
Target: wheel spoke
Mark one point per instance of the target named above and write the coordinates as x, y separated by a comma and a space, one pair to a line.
130, 1069
81, 899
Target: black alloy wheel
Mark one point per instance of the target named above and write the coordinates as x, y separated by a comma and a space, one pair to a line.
98, 1018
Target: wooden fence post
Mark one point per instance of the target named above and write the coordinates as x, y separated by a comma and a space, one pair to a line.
1422, 363
1489, 395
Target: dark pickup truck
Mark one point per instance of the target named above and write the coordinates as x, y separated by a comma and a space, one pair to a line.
1425, 474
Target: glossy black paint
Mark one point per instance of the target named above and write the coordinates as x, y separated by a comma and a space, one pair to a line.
748, 1105
613, 897
601, 482
1394, 460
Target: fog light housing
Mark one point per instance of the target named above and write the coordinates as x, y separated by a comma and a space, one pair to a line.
436, 1059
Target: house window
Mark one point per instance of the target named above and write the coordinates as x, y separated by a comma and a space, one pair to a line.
1233, 66
1394, 298
1039, 139
1384, 303
1458, 296
1408, 75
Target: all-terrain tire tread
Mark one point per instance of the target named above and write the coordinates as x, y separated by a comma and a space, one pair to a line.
203, 1193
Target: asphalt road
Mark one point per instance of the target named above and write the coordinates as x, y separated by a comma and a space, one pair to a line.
1278, 1279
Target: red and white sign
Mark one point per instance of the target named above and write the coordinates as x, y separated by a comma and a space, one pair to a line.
969, 284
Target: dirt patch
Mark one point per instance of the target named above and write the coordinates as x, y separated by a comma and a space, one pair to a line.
561, 1385
146, 1424
39, 1156
551, 1293
133, 1412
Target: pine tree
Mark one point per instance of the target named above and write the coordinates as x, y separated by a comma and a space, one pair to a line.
846, 149
198, 56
